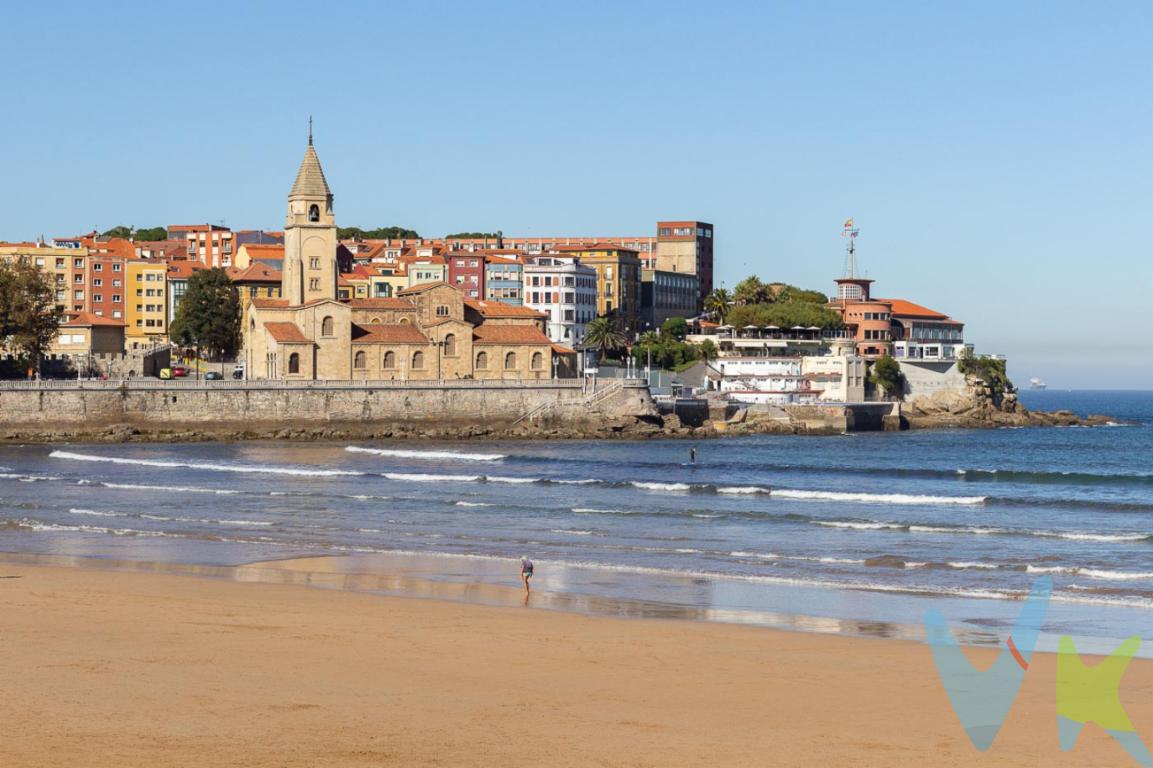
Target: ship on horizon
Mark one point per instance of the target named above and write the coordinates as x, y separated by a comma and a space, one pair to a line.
1036, 383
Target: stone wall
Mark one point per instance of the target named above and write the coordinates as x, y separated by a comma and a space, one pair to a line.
257, 404
927, 378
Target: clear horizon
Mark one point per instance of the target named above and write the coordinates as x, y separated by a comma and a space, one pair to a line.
998, 160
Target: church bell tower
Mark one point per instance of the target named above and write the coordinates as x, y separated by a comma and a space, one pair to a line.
310, 270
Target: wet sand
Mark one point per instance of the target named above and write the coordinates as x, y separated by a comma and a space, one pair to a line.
102, 667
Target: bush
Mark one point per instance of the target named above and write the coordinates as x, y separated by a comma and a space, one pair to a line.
988, 369
887, 375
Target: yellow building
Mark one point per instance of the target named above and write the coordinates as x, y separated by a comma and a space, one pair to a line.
146, 304
65, 268
386, 282
618, 280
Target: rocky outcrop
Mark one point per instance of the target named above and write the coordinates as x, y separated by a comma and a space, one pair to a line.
981, 406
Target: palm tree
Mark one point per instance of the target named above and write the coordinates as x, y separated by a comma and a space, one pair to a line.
717, 303
604, 334
751, 291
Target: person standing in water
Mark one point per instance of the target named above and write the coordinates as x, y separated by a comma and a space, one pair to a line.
693, 455
525, 572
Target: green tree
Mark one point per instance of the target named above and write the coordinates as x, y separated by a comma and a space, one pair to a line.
604, 334
887, 375
29, 319
120, 231
752, 291
380, 233
791, 293
209, 314
786, 315
675, 328
472, 236
151, 234
707, 350
717, 303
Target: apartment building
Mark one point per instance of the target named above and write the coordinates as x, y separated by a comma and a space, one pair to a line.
466, 273
566, 291
146, 313
209, 244
504, 278
65, 267
618, 281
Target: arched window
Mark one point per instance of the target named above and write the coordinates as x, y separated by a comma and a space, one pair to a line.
510, 361
326, 327
314, 213
481, 361
294, 363
389, 359
252, 324
374, 321
359, 361
537, 361
450, 345
418, 360
404, 321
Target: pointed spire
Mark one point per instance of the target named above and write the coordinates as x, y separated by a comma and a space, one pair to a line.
310, 181
310, 130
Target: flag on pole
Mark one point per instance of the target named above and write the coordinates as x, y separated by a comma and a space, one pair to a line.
848, 224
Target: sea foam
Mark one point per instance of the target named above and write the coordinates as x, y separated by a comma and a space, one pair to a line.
170, 464
431, 455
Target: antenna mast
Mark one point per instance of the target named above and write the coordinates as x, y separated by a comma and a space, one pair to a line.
850, 231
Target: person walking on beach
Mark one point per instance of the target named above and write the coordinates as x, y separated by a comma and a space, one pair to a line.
525, 572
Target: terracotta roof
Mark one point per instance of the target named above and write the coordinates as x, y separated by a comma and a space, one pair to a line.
500, 309
563, 350
908, 308
183, 268
310, 181
502, 260
285, 333
509, 334
270, 303
421, 287
263, 247
391, 333
80, 319
254, 272
380, 304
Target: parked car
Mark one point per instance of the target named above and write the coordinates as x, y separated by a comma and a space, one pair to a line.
179, 371
213, 376
238, 372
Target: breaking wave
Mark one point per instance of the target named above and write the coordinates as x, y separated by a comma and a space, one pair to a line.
430, 454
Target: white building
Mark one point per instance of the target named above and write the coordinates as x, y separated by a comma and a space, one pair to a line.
566, 291
773, 380
838, 378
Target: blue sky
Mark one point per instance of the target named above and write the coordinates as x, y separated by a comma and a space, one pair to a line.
998, 157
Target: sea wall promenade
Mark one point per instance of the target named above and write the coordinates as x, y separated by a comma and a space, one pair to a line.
268, 408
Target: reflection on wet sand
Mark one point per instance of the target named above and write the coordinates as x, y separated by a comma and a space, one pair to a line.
427, 577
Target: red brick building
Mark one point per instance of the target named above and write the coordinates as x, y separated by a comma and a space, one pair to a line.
466, 273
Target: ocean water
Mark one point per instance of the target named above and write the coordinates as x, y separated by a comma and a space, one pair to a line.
850, 532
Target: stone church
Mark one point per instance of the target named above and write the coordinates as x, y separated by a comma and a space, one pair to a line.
427, 332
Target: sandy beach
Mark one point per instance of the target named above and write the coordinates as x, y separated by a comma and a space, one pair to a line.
102, 667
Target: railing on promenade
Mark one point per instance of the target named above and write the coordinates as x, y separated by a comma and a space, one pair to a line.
98, 385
